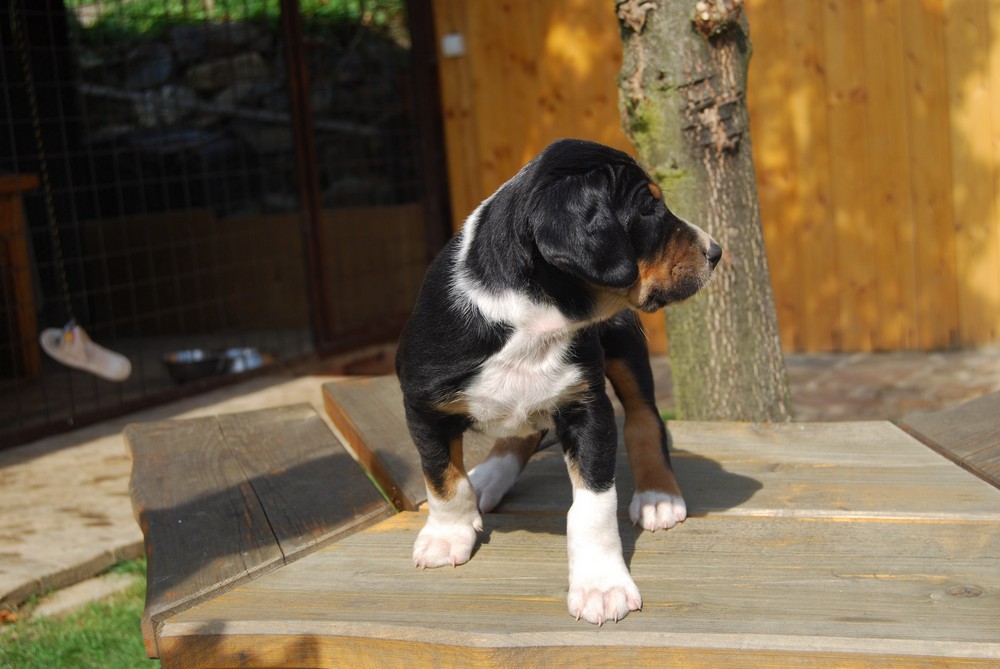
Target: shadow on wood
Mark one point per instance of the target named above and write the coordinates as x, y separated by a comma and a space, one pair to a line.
222, 500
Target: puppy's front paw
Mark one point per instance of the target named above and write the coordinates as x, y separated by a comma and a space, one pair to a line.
603, 597
440, 544
655, 510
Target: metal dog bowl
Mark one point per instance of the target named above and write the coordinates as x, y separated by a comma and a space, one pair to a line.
236, 360
197, 363
193, 364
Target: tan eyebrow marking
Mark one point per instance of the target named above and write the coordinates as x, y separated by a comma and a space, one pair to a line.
655, 190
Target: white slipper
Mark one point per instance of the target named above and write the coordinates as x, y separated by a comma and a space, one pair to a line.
72, 346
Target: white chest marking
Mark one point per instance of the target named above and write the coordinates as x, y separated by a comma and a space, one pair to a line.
520, 386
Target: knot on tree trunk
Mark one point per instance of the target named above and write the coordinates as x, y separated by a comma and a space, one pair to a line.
714, 118
632, 13
713, 17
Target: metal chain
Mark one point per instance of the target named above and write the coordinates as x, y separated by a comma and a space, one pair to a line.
43, 165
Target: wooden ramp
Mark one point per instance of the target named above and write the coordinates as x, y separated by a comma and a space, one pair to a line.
224, 499
968, 434
826, 545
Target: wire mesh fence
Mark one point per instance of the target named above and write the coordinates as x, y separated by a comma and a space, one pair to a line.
236, 177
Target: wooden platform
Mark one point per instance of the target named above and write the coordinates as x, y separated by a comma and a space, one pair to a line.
968, 434
224, 499
848, 544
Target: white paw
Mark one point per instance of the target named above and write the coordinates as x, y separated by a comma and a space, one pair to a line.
440, 544
603, 597
655, 510
493, 478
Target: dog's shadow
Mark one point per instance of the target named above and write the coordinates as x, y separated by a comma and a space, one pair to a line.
544, 488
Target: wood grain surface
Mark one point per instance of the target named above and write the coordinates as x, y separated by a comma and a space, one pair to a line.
847, 544
968, 434
222, 499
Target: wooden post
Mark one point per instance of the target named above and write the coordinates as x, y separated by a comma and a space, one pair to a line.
16, 261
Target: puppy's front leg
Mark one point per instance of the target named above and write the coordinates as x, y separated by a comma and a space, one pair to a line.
657, 502
453, 520
600, 586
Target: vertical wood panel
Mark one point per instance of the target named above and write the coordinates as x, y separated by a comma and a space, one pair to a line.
991, 286
926, 87
768, 83
806, 98
876, 143
888, 172
967, 46
457, 104
847, 98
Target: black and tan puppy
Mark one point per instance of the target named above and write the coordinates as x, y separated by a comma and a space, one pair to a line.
519, 319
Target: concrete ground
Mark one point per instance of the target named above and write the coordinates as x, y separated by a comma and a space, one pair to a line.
65, 513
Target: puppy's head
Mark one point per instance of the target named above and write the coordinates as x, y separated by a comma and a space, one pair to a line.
598, 216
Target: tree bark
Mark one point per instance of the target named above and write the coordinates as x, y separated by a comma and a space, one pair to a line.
683, 103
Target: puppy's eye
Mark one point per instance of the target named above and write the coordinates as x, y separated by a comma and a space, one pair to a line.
649, 208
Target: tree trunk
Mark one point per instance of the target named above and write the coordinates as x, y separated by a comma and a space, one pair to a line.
683, 102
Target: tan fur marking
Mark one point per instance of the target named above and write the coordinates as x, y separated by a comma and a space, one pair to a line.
655, 190
453, 406
679, 258
573, 468
642, 434
521, 447
455, 471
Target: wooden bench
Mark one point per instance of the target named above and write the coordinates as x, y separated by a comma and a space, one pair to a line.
807, 544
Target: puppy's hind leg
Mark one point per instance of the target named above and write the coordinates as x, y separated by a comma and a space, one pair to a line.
453, 519
657, 502
497, 473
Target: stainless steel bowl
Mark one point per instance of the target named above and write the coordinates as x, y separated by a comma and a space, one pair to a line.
193, 364
197, 363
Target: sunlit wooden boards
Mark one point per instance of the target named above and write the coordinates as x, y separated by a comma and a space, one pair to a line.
368, 413
844, 544
968, 434
223, 499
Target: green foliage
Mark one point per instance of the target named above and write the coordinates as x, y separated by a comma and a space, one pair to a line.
102, 635
113, 21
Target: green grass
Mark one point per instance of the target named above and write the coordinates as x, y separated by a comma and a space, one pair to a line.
102, 635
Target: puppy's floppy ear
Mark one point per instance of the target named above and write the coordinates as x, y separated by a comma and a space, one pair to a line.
577, 231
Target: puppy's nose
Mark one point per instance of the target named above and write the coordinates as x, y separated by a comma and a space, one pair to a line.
714, 253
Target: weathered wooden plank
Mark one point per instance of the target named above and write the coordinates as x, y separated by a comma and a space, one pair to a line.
369, 414
761, 591
223, 499
767, 469
310, 489
968, 434
203, 525
816, 470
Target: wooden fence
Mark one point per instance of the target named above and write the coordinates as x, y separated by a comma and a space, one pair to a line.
876, 131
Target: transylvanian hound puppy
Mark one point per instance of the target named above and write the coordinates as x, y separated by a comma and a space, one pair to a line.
520, 318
